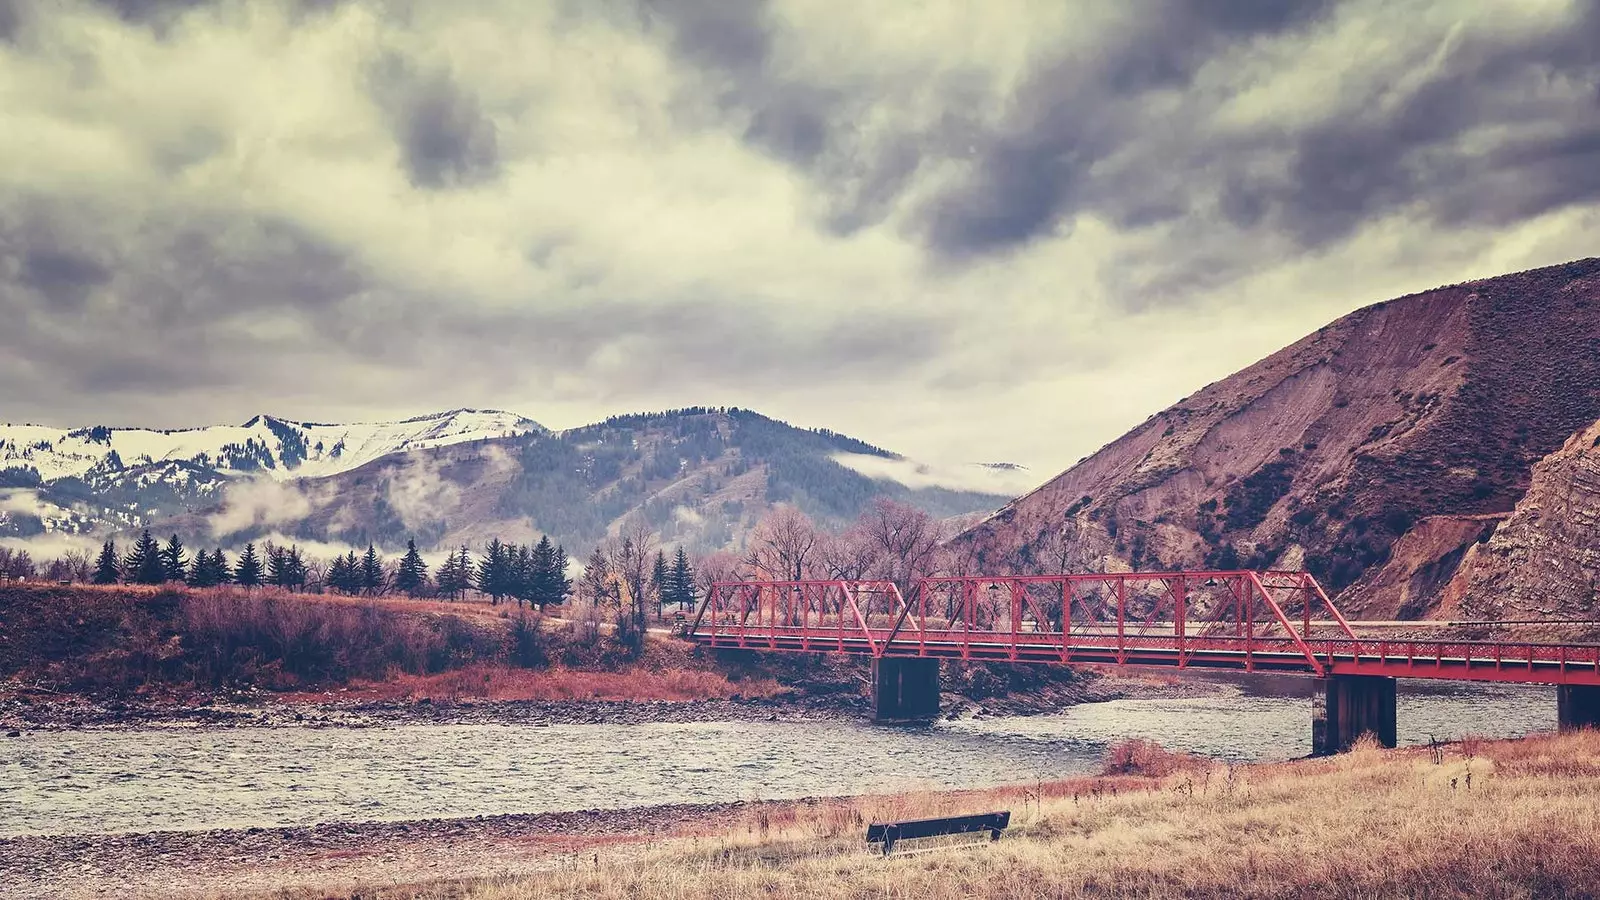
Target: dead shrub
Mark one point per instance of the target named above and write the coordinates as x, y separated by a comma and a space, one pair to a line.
1144, 758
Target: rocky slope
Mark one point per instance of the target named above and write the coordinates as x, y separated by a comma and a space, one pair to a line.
1326, 452
1543, 561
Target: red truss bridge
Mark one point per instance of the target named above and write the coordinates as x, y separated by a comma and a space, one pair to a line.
1270, 621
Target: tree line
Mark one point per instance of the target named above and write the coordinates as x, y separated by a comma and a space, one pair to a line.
535, 574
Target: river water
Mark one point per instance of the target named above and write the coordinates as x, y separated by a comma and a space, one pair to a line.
188, 779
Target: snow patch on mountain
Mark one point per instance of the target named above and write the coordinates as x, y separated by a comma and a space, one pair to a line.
264, 446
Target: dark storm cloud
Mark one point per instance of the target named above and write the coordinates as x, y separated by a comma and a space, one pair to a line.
1035, 169
161, 308
1083, 138
445, 138
10, 19
1418, 152
790, 118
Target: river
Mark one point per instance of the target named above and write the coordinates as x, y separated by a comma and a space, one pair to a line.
159, 779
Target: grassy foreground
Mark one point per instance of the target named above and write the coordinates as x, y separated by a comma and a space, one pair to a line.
1477, 819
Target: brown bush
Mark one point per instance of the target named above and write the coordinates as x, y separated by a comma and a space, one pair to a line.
1145, 758
283, 639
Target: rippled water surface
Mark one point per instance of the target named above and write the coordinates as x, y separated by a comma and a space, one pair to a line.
161, 779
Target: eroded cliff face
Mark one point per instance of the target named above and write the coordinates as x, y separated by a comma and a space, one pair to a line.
1326, 452
1544, 560
1411, 583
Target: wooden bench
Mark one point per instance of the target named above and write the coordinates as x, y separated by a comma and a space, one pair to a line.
890, 833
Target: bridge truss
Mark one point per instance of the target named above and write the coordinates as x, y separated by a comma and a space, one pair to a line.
1270, 621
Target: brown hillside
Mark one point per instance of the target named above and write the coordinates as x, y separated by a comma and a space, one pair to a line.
1325, 452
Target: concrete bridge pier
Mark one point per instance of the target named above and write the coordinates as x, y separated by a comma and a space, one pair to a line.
1577, 706
1347, 706
905, 689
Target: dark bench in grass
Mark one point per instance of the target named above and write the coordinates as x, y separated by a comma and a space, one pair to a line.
889, 833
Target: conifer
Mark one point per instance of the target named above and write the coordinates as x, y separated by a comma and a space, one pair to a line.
413, 572
371, 571
174, 560
144, 564
106, 568
248, 572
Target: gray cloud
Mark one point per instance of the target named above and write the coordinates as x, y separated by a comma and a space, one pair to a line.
444, 137
1081, 137
918, 224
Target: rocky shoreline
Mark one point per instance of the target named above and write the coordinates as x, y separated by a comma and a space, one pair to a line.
250, 860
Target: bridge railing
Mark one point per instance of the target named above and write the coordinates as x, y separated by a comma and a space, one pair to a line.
1200, 611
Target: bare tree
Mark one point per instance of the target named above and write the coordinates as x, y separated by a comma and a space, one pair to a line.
16, 564
73, 565
848, 556
714, 567
783, 544
629, 557
905, 538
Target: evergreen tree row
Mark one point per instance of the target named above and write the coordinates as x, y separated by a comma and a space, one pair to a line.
536, 575
152, 563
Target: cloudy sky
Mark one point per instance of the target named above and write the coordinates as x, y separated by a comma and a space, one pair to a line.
967, 231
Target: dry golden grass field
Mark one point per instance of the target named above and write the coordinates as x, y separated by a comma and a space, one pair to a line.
1476, 819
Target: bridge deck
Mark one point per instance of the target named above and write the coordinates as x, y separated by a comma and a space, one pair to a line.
1240, 620
1460, 660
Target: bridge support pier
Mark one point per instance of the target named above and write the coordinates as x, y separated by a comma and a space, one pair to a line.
1577, 706
905, 689
1348, 706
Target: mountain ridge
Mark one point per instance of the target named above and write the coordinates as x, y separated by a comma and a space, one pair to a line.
1325, 452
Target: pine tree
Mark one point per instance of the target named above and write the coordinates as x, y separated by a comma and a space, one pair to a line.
413, 572
560, 585
221, 572
106, 570
372, 571
595, 583
444, 580
461, 577
522, 576
199, 570
544, 588
295, 576
660, 577
278, 567
682, 581
248, 572
174, 560
144, 564
492, 572
339, 575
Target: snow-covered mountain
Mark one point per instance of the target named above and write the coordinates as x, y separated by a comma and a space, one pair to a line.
702, 477
265, 445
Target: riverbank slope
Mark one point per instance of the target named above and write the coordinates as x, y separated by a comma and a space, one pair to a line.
77, 656
1475, 819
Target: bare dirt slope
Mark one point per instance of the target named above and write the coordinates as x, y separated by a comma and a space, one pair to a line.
1326, 452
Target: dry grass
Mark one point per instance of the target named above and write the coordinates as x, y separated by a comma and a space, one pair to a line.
1513, 819
501, 682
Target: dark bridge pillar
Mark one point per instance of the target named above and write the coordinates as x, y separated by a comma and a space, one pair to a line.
1577, 706
905, 688
1346, 707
